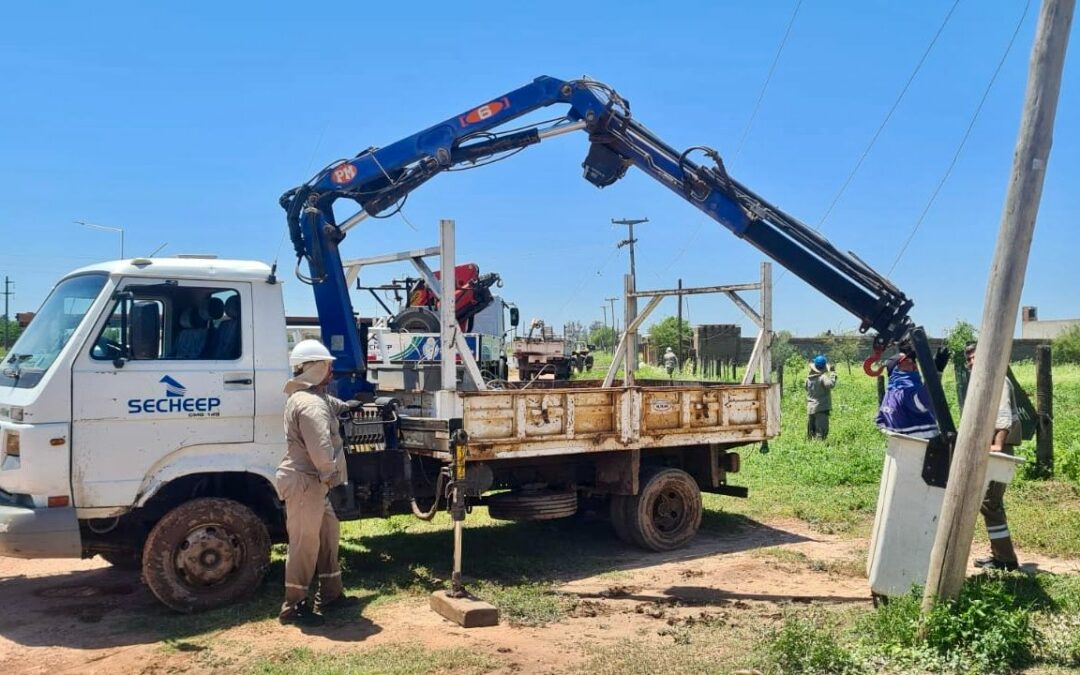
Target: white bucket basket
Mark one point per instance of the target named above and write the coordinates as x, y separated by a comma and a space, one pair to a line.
907, 515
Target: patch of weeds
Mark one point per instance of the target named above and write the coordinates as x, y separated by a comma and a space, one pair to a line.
526, 604
782, 554
988, 629
809, 645
848, 567
396, 659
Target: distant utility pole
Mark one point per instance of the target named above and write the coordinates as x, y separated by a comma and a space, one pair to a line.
614, 323
964, 491
603, 342
630, 241
631, 285
8, 283
678, 329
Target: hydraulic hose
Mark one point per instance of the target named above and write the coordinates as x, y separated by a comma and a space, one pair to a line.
439, 482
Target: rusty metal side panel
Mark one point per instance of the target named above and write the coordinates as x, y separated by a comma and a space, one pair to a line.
545, 414
743, 407
594, 412
531, 423
661, 409
491, 417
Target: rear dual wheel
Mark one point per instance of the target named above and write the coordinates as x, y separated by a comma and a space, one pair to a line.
664, 515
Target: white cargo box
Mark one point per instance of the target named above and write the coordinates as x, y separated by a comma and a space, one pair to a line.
907, 515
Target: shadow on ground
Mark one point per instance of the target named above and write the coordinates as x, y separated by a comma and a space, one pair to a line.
107, 607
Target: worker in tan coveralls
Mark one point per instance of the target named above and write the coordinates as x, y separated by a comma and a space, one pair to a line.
314, 463
1007, 436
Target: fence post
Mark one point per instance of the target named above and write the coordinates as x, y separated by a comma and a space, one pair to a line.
1044, 406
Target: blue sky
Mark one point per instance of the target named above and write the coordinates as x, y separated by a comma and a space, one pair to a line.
185, 124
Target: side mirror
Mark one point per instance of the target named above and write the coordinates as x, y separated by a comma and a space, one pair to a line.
515, 317
125, 298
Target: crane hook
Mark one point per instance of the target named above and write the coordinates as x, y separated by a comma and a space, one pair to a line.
868, 365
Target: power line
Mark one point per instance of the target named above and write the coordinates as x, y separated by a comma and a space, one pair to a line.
963, 141
888, 115
765, 85
881, 127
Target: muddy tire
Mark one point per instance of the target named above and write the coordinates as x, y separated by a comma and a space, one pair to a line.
123, 560
205, 553
620, 506
533, 505
666, 513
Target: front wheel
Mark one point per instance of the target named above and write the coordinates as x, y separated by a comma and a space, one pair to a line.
205, 553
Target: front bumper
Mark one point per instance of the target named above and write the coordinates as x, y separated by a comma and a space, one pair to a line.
38, 533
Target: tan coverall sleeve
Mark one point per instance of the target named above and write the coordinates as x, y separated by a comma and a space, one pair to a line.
1004, 418
318, 441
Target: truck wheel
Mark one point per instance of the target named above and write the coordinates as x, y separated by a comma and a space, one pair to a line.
666, 513
533, 505
205, 553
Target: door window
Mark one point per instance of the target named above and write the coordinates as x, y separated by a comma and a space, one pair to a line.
172, 322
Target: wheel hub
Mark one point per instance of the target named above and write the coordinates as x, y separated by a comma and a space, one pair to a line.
668, 511
208, 555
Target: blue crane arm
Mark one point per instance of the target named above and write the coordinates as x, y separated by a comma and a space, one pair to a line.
379, 178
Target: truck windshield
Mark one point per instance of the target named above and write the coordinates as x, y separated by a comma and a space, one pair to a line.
50, 329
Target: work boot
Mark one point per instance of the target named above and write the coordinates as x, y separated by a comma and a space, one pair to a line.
1001, 565
340, 602
984, 560
301, 614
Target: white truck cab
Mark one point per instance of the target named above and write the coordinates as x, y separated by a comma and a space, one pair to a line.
143, 387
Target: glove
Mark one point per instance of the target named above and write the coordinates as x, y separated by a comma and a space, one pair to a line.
354, 404
941, 358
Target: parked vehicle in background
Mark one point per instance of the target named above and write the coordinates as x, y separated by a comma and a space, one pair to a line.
541, 352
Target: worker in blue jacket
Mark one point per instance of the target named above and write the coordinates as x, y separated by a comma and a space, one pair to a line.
906, 408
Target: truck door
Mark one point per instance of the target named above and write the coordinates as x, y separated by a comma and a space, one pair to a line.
169, 368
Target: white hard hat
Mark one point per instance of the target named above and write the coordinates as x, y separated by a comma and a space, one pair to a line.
309, 350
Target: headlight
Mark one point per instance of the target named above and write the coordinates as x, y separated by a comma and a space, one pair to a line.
13, 413
11, 444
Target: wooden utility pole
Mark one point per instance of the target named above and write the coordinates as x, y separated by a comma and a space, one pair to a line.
678, 331
1044, 406
630, 304
614, 322
964, 492
603, 342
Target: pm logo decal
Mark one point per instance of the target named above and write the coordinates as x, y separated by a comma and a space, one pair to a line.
176, 400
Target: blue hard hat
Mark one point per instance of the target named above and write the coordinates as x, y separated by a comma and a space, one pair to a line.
820, 361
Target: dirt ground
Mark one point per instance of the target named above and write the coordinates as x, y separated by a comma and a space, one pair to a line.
85, 616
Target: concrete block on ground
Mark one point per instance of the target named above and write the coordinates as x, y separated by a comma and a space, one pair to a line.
467, 612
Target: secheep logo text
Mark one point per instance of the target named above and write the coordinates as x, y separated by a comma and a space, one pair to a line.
176, 400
